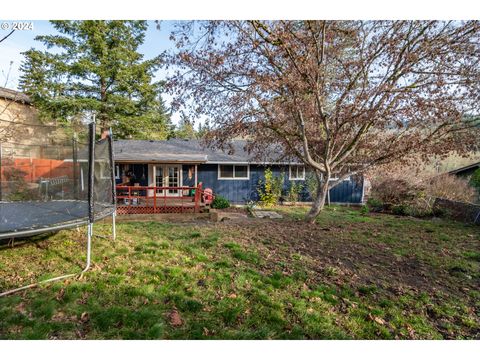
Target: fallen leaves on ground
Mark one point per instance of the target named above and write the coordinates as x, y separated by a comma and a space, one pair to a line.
84, 317
174, 318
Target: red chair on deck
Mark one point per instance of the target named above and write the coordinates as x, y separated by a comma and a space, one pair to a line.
207, 196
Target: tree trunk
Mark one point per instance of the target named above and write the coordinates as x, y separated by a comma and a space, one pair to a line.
103, 116
319, 201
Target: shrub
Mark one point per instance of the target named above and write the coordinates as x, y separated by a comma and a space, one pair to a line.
293, 194
406, 193
365, 209
270, 189
451, 187
220, 202
311, 184
475, 179
394, 191
401, 209
475, 182
375, 204
17, 185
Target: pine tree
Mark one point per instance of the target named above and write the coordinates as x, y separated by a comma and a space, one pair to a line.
185, 130
203, 129
95, 66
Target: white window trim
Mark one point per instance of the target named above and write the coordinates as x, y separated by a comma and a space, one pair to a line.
295, 178
336, 178
234, 178
117, 171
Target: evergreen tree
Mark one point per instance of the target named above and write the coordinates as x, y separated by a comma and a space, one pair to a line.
185, 129
203, 129
95, 66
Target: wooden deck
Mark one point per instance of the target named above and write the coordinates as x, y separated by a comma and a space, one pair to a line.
158, 200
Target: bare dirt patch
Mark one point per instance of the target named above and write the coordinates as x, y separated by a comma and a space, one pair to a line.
358, 262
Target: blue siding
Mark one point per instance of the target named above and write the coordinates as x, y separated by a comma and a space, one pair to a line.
241, 191
236, 191
348, 191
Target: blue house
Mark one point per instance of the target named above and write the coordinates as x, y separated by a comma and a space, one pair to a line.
234, 175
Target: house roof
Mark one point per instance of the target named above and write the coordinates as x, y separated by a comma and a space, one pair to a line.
465, 168
179, 150
9, 94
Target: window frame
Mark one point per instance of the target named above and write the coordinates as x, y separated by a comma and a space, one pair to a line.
296, 178
219, 177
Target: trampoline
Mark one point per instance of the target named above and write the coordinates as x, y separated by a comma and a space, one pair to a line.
54, 185
29, 218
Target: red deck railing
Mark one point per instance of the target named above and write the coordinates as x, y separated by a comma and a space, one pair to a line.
158, 199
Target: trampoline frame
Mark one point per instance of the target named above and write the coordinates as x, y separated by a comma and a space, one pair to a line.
91, 214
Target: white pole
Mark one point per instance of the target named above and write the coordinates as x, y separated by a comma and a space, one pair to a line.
114, 231
362, 200
89, 245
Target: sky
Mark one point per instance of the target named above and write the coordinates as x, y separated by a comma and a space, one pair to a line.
156, 41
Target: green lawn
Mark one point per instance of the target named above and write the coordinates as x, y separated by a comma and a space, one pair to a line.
348, 276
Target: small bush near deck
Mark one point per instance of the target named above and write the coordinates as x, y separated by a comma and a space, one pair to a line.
220, 202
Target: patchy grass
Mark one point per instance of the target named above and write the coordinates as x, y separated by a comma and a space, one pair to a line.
351, 275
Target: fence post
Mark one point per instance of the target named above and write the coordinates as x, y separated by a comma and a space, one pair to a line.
198, 194
154, 200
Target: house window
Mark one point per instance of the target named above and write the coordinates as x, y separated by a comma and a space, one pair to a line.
296, 172
233, 172
117, 171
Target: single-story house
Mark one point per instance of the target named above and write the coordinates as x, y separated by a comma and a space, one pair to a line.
234, 175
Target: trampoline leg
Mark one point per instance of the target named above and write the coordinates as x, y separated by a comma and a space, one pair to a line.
89, 245
114, 231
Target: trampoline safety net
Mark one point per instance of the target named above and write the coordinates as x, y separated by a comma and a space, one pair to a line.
50, 183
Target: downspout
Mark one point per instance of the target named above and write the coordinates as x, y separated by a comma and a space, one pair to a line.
363, 190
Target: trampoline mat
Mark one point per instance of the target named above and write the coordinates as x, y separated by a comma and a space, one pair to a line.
17, 217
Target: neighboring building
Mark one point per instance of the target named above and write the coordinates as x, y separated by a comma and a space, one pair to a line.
233, 175
21, 130
466, 171
15, 110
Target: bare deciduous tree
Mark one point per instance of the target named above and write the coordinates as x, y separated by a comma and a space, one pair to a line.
341, 96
